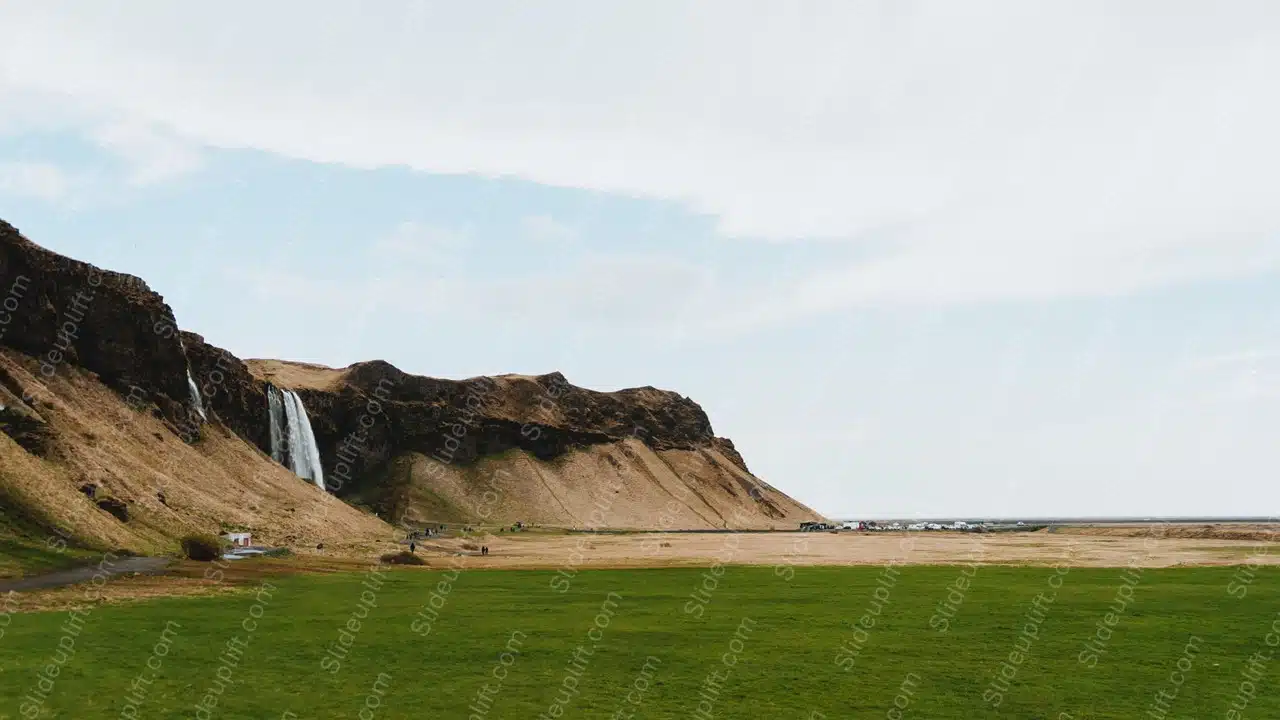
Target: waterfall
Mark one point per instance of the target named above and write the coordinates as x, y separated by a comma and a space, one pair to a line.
275, 413
196, 402
291, 435
304, 455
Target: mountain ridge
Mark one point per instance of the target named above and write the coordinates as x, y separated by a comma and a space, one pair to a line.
410, 447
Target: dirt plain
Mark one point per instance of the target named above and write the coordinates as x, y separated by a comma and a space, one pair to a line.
1137, 546
1080, 546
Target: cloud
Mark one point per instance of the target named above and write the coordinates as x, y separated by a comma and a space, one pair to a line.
1026, 150
42, 181
1238, 376
275, 284
546, 229
1251, 358
422, 245
152, 156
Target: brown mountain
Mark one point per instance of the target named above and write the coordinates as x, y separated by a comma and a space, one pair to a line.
94, 392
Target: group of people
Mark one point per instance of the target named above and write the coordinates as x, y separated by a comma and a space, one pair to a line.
413, 546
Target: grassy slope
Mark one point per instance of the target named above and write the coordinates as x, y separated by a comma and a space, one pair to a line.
21, 557
786, 667
28, 546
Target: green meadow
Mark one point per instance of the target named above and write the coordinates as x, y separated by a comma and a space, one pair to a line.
504, 644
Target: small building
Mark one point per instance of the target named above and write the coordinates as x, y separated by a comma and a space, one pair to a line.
238, 539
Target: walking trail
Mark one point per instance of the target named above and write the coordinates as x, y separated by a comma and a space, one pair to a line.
125, 565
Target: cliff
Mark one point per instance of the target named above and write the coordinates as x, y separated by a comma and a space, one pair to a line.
486, 449
64, 312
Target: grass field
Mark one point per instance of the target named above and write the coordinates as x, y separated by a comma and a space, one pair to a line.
28, 547
784, 660
20, 557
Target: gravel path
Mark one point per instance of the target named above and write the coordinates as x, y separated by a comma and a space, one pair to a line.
73, 576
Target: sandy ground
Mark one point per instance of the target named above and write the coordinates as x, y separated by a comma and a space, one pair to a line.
1204, 531
848, 548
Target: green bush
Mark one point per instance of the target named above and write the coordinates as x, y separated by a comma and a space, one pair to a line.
204, 548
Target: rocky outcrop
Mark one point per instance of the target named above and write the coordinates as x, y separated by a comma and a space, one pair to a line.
26, 427
228, 388
368, 413
66, 312
115, 507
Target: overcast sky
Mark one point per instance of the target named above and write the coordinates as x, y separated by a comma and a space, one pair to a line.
915, 258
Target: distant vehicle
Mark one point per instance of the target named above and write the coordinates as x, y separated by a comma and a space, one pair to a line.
1020, 523
816, 526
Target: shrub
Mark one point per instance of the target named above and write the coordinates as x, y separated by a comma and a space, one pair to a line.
470, 546
204, 548
404, 557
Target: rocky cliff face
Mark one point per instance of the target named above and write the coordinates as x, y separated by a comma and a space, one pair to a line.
370, 412
236, 397
367, 418
66, 312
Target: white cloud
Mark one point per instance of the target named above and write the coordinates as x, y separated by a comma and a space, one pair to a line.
1026, 150
274, 284
1238, 376
1250, 358
425, 246
546, 229
152, 156
42, 181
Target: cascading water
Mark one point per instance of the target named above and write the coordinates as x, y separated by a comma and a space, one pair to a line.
196, 402
275, 412
292, 437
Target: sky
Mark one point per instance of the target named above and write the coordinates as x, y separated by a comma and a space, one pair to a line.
917, 259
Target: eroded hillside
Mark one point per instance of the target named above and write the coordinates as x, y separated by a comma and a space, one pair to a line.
114, 422
112, 472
